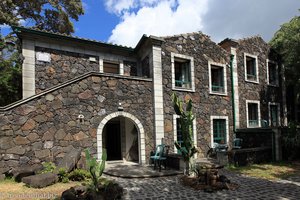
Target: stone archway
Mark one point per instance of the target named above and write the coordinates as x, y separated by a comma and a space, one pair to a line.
139, 127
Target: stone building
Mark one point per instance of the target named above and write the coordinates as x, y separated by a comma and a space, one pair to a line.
80, 93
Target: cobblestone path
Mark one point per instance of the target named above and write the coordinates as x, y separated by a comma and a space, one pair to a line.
169, 188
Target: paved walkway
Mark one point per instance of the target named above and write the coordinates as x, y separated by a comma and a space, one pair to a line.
169, 188
134, 170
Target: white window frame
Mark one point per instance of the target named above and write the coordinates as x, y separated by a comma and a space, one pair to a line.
256, 68
278, 112
224, 78
191, 59
258, 113
212, 129
277, 74
175, 131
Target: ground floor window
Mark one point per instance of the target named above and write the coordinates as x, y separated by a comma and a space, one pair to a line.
274, 110
219, 130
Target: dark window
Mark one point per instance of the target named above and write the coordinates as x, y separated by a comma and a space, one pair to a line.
253, 114
146, 67
217, 79
112, 68
274, 115
182, 73
130, 68
219, 130
251, 68
272, 73
179, 138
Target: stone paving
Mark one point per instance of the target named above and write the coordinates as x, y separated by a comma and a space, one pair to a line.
170, 188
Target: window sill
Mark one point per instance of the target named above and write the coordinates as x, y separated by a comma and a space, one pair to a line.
250, 81
184, 89
218, 93
253, 126
273, 85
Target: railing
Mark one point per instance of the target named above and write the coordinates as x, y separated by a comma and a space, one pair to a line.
183, 84
217, 88
251, 77
253, 123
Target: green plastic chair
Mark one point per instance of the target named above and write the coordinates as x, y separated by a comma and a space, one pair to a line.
159, 156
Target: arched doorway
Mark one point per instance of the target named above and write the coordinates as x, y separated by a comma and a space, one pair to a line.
123, 137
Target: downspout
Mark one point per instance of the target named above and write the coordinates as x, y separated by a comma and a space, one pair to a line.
232, 93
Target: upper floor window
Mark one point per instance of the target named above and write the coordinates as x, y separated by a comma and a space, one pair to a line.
272, 73
251, 68
217, 78
182, 72
219, 130
110, 67
253, 113
274, 114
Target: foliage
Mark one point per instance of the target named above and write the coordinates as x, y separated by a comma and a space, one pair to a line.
79, 175
49, 15
46, 14
291, 141
286, 42
48, 167
10, 71
63, 175
96, 168
186, 118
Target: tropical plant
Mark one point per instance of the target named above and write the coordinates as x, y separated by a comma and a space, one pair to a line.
186, 118
96, 169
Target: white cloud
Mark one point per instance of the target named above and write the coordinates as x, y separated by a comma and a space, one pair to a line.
166, 17
119, 6
219, 19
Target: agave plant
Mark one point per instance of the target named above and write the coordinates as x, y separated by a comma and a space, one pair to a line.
96, 168
186, 118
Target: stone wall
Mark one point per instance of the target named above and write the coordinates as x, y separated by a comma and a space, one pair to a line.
256, 91
63, 66
202, 49
46, 127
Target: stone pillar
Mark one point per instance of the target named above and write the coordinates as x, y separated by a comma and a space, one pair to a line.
28, 68
158, 95
101, 65
236, 88
121, 68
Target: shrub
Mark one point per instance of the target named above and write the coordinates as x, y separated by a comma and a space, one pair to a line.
63, 175
48, 167
79, 175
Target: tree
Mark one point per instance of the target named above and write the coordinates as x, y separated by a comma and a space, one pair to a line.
186, 118
286, 42
49, 15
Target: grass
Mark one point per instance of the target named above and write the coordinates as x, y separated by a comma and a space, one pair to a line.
9, 189
270, 171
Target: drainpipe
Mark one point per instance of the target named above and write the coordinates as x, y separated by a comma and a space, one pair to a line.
232, 92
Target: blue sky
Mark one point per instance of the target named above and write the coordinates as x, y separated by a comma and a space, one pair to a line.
125, 21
